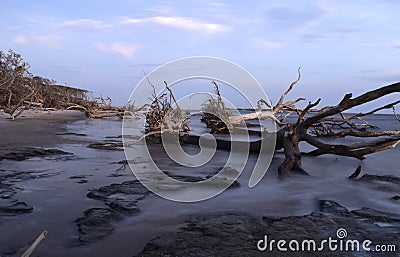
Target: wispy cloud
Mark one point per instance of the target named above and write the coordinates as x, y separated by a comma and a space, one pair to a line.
124, 49
312, 37
141, 65
160, 10
16, 27
133, 21
51, 41
20, 40
86, 24
294, 16
367, 45
179, 22
382, 75
189, 24
265, 44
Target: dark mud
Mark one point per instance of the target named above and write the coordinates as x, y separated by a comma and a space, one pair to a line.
237, 234
388, 183
30, 152
96, 224
385, 183
16, 208
121, 199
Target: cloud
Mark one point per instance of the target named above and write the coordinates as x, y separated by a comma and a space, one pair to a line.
51, 41
385, 78
179, 22
124, 49
20, 40
312, 37
133, 21
160, 10
367, 45
382, 75
86, 24
65, 68
16, 27
189, 24
265, 44
292, 16
141, 65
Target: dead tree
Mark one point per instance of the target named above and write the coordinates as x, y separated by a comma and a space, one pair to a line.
20, 90
164, 114
337, 127
15, 83
215, 114
311, 125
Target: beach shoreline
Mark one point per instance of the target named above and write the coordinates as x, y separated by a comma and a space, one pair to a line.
37, 128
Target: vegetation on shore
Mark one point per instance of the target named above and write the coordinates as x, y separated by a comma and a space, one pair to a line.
21, 90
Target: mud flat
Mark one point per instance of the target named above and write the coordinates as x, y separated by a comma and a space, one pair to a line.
236, 234
36, 129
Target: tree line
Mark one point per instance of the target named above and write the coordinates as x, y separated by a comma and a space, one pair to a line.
21, 90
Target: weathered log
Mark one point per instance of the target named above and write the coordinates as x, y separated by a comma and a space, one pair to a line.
35, 244
323, 122
240, 119
105, 114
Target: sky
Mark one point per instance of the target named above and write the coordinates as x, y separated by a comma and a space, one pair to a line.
107, 46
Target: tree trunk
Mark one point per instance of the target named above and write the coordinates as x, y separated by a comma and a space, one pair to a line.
292, 155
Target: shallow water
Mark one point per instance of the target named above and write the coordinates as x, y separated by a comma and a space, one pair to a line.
59, 200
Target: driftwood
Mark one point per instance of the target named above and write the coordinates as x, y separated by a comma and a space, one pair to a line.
215, 114
311, 125
296, 124
35, 244
164, 114
309, 119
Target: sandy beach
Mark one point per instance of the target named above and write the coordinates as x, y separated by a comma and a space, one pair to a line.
36, 128
90, 204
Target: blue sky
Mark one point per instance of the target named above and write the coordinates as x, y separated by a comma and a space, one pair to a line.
104, 46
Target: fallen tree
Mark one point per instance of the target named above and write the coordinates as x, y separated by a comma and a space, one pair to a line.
312, 125
295, 124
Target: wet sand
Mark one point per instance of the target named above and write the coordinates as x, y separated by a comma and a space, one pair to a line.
36, 128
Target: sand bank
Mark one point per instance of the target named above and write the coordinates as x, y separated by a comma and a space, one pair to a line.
36, 129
